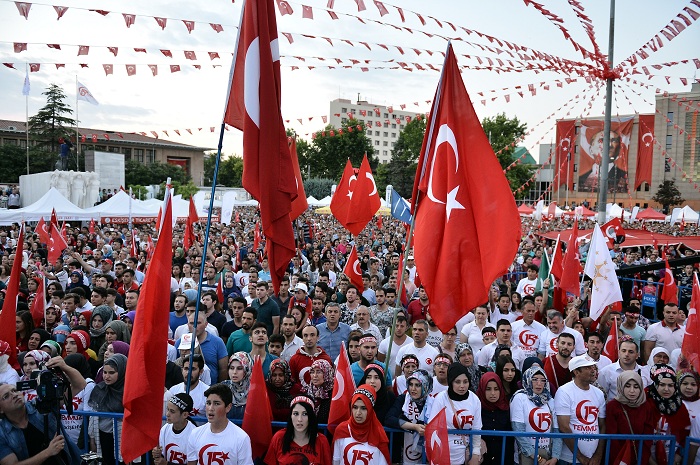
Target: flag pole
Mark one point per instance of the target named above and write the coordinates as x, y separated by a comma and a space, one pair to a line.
409, 240
211, 204
26, 116
77, 123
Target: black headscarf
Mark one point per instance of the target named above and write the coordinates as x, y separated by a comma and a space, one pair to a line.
108, 398
80, 363
453, 372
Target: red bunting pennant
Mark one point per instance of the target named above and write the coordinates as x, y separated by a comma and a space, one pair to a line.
34, 67
189, 25
109, 69
23, 8
161, 22
154, 69
216, 27
60, 11
130, 70
20, 46
129, 19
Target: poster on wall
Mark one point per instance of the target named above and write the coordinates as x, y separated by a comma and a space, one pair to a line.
591, 154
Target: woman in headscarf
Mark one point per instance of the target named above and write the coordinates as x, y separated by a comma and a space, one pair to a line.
501, 350
458, 398
300, 441
107, 397
535, 401
129, 318
52, 317
375, 376
362, 432
688, 385
115, 330
495, 416
71, 423
410, 413
320, 389
465, 356
670, 414
629, 413
658, 355
102, 316
37, 338
281, 389
240, 367
116, 347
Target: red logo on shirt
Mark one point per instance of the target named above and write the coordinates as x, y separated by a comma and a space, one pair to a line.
429, 361
174, 456
212, 457
586, 414
540, 421
528, 338
460, 419
528, 289
553, 345
356, 455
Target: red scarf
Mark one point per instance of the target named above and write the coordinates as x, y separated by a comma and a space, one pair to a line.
371, 431
501, 403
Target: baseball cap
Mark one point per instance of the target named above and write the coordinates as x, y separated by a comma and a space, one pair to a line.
186, 342
410, 257
108, 261
301, 287
581, 361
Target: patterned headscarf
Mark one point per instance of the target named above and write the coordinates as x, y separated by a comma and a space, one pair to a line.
683, 374
426, 386
537, 399
497, 353
325, 390
240, 389
473, 371
281, 364
666, 406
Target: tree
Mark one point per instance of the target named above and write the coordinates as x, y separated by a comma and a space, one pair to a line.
230, 171
185, 190
401, 170
318, 187
52, 122
668, 195
136, 173
503, 134
14, 162
327, 154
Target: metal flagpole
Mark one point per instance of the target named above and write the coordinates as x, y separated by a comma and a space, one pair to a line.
77, 123
605, 162
26, 116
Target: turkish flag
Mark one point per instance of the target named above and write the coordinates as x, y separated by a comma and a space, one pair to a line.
54, 218
340, 203
192, 218
253, 106
645, 150
57, 244
256, 238
380, 222
364, 199
352, 269
300, 204
457, 250
626, 456
91, 228
257, 422
9, 306
557, 268
612, 342
437, 446
159, 218
552, 210
682, 227
566, 139
343, 388
42, 230
220, 289
39, 303
134, 248
572, 265
145, 372
669, 294
691, 342
614, 231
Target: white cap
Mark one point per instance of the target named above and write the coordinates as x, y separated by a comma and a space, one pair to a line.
186, 342
581, 361
301, 287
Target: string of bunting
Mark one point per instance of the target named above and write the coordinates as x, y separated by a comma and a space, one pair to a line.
682, 101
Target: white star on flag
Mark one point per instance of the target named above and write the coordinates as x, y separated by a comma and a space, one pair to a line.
599, 267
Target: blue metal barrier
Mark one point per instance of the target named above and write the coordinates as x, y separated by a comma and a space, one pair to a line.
116, 418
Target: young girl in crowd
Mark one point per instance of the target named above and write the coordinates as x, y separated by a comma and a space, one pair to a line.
410, 413
240, 367
375, 377
509, 375
688, 385
107, 397
495, 416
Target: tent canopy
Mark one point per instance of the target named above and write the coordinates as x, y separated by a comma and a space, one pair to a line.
52, 200
118, 206
650, 214
525, 210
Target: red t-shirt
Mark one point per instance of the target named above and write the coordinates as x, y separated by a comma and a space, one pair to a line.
416, 310
556, 374
319, 455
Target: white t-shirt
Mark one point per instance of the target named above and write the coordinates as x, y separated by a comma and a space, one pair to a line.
527, 337
474, 336
483, 358
73, 423
584, 408
242, 279
197, 394
229, 447
495, 316
465, 320
694, 412
426, 355
435, 338
536, 419
437, 387
526, 286
10, 376
384, 347
174, 445
602, 362
548, 342
466, 414
365, 454
183, 329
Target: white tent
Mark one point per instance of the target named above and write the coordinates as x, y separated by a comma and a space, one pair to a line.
312, 201
613, 210
52, 200
686, 213
324, 202
118, 206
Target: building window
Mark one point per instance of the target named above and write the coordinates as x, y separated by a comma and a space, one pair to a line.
669, 117
575, 148
114, 149
343, 110
386, 134
669, 141
376, 142
577, 129
343, 120
393, 144
100, 148
386, 144
150, 156
646, 187
23, 143
393, 134
646, 205
393, 125
352, 110
127, 154
385, 153
575, 167
138, 155
376, 133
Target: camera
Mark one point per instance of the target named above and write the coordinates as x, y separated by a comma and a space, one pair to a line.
51, 387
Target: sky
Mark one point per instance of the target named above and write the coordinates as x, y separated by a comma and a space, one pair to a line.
195, 98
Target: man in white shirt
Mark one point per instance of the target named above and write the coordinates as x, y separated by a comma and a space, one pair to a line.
627, 353
364, 324
420, 348
548, 338
667, 333
594, 346
292, 342
504, 331
401, 339
526, 332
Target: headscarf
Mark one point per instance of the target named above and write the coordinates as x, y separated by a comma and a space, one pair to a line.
79, 362
371, 431
191, 294
501, 403
43, 335
108, 397
622, 379
107, 251
88, 316
656, 351
191, 282
53, 346
453, 372
325, 390
130, 315
666, 406
39, 356
121, 348
426, 387
105, 312
60, 333
71, 284
528, 362
685, 373
497, 353
82, 341
119, 327
281, 364
473, 371
537, 399
240, 389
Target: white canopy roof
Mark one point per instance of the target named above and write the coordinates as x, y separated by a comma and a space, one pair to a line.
686, 213
324, 202
52, 200
118, 206
312, 201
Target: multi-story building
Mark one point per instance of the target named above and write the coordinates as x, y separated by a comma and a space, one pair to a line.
133, 146
384, 124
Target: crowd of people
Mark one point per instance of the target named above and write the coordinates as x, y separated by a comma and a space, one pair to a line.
514, 363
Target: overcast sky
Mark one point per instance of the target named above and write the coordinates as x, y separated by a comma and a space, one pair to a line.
195, 98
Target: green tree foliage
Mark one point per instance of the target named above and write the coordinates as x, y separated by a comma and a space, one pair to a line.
326, 156
185, 190
136, 173
668, 195
14, 162
401, 170
504, 132
318, 187
230, 171
52, 122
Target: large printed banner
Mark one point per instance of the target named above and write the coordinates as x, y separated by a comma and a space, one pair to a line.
564, 153
645, 150
591, 153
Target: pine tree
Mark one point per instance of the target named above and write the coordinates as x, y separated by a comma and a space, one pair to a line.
52, 122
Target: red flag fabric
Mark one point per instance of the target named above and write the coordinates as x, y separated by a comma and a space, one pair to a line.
437, 446
64, 231
91, 229
352, 269
192, 218
645, 150
43, 231
690, 347
159, 218
220, 288
57, 244
340, 202
612, 230
300, 204
380, 222
572, 265
145, 372
151, 248
134, 248
364, 199
253, 106
343, 389
669, 294
9, 306
54, 218
557, 268
39, 303
612, 343
682, 227
566, 139
404, 296
626, 455
256, 238
552, 210
458, 254
257, 421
